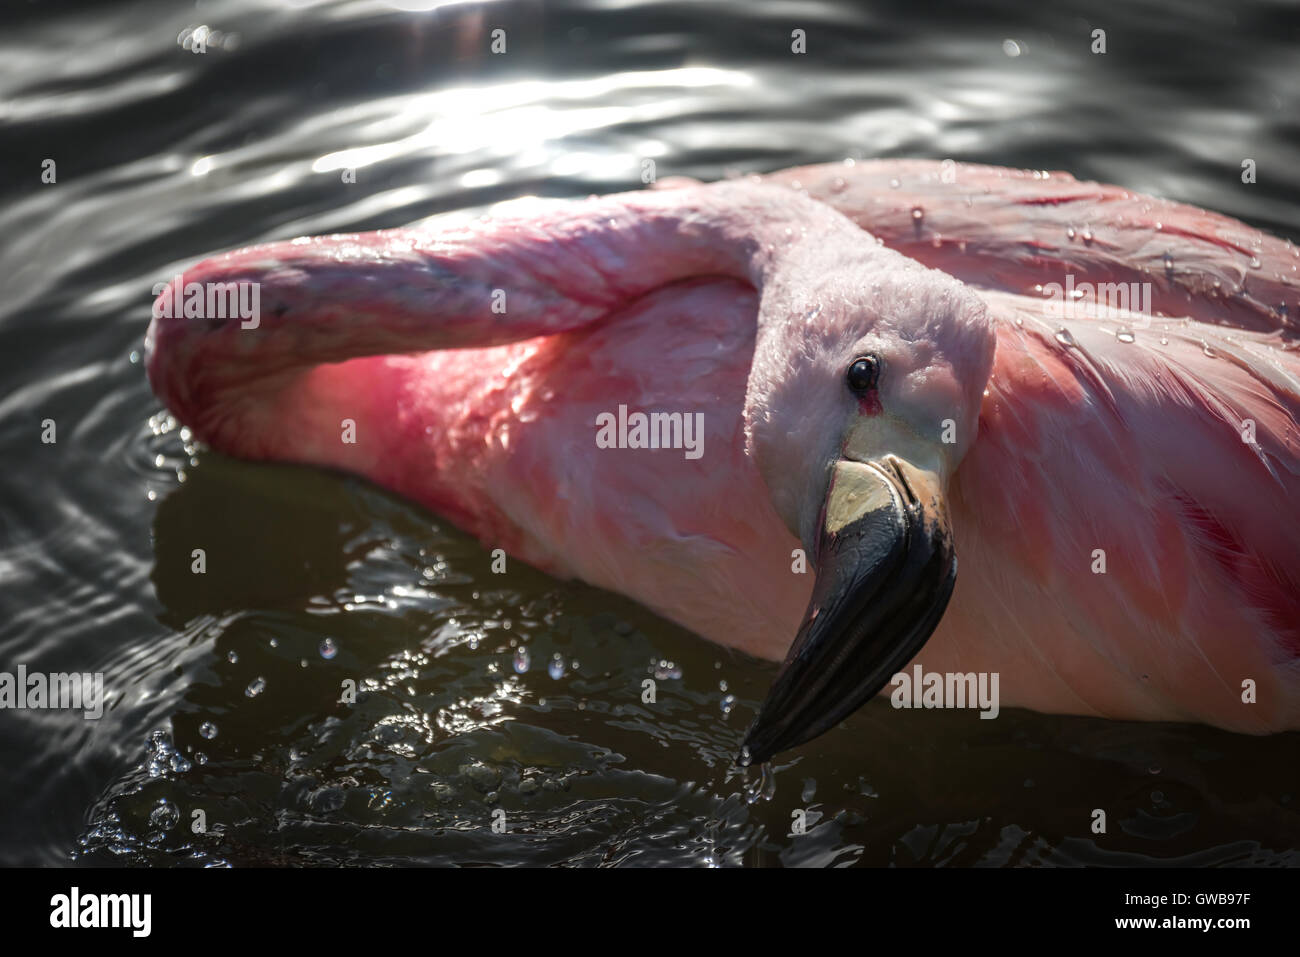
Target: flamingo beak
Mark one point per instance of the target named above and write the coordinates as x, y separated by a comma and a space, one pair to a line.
885, 570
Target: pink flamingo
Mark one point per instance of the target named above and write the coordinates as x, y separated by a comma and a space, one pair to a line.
883, 385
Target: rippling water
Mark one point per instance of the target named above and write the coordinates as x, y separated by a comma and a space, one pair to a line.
223, 686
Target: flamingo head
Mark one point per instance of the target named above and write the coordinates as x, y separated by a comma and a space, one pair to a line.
863, 397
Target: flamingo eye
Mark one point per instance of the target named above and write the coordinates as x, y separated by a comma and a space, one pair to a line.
863, 374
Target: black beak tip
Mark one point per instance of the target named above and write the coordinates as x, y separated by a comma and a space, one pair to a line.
758, 746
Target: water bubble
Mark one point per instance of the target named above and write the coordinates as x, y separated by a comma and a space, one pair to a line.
208, 730
918, 214
164, 816
556, 666
1087, 235
328, 649
838, 184
1011, 48
1206, 350
894, 183
722, 685
159, 751
255, 687
1069, 232
232, 657
485, 777
727, 703
1064, 338
179, 763
1169, 264
522, 660
1125, 335
666, 671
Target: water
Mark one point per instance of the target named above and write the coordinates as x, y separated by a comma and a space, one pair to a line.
164, 156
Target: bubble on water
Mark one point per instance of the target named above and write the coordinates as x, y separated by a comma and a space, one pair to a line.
522, 660
1164, 341
722, 685
1206, 350
255, 687
208, 730
165, 815
1125, 335
1169, 264
1069, 232
728, 703
484, 777
159, 753
918, 214
1087, 235
555, 668
275, 642
179, 763
894, 183
1064, 338
200, 758
1011, 48
232, 657
328, 649
1254, 262
666, 671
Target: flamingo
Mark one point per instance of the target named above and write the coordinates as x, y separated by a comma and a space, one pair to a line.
882, 387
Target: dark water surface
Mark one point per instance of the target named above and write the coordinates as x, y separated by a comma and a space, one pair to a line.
223, 687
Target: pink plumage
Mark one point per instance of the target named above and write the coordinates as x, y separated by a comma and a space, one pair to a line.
1168, 442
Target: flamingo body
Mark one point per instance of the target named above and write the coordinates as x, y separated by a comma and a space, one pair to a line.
1168, 444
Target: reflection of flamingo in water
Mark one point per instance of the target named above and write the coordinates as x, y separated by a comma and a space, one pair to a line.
1123, 490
